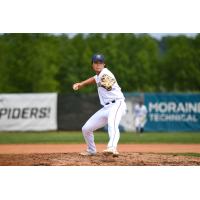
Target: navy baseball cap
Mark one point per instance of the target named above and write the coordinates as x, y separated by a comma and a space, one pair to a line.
98, 57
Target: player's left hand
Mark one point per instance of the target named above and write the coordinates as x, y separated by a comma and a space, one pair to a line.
107, 82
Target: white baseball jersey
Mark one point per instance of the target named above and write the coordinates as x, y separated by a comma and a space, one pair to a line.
108, 96
140, 111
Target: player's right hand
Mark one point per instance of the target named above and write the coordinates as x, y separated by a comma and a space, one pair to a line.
76, 86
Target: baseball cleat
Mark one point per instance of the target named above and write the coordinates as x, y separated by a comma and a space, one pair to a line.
88, 153
109, 151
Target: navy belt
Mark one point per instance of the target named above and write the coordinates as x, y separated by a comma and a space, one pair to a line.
110, 102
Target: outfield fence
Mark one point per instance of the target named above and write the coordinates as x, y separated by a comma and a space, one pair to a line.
167, 112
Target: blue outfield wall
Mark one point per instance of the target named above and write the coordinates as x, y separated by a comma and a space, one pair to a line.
172, 112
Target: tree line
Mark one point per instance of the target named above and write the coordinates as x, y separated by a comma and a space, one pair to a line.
31, 62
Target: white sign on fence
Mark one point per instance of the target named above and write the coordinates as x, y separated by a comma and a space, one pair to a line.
22, 112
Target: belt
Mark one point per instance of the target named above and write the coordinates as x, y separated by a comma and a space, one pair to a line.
110, 102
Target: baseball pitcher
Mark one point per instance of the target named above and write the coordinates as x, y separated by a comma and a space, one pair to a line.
114, 107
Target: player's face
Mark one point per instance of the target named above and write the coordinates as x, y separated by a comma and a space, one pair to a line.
98, 66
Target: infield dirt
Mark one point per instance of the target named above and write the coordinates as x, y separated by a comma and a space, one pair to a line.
68, 155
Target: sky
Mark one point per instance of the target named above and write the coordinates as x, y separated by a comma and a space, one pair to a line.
160, 35
157, 35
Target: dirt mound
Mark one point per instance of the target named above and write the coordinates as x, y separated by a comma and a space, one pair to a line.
74, 159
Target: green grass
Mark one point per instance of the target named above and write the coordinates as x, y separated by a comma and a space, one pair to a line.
100, 137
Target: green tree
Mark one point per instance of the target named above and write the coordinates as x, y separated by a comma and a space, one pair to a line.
29, 63
53, 62
178, 69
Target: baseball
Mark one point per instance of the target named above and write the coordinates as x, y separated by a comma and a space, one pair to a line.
75, 87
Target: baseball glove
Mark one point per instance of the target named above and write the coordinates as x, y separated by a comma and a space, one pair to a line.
107, 82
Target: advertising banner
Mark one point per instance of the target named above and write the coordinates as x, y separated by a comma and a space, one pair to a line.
24, 112
173, 112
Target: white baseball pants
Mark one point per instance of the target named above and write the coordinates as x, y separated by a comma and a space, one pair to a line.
110, 114
140, 121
